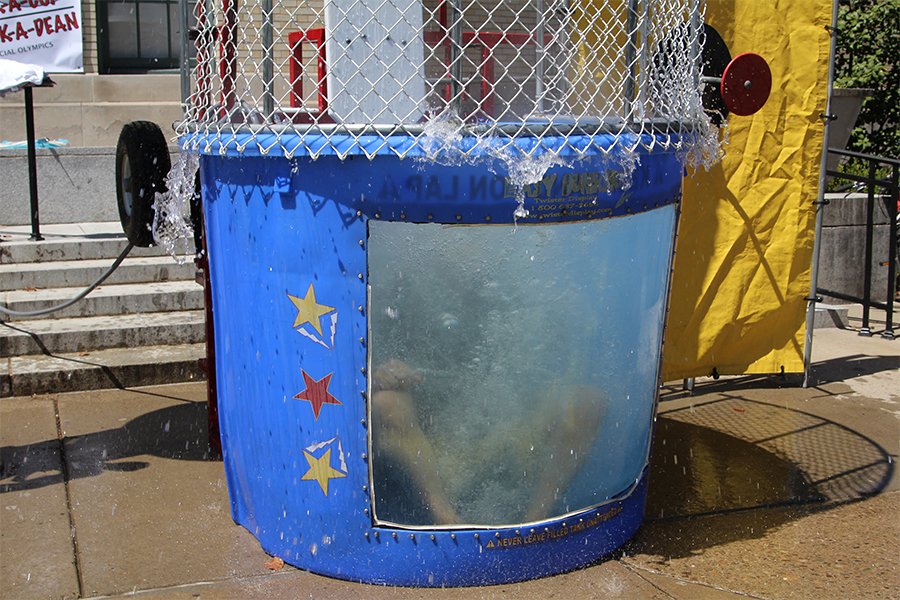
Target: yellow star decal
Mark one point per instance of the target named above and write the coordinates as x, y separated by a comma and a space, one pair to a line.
320, 470
308, 310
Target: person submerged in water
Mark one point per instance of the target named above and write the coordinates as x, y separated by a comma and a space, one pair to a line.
565, 424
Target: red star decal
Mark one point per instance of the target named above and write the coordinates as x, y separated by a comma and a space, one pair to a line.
316, 392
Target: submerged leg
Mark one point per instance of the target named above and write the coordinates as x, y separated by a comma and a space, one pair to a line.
397, 433
571, 421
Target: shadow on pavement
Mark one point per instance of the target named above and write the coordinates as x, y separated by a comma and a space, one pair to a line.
826, 371
849, 367
176, 432
728, 456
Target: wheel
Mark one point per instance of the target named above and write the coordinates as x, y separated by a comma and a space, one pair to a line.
142, 163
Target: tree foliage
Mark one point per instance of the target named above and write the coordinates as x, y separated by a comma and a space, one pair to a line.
868, 56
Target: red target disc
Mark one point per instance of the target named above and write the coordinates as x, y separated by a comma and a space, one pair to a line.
746, 84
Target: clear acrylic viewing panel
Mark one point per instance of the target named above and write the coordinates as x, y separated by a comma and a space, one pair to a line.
513, 370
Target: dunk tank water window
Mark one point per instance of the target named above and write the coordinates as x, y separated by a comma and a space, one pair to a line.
440, 235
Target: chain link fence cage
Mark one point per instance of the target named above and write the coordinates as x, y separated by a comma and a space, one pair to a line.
438, 127
431, 77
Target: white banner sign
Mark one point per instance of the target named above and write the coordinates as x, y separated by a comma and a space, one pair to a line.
42, 32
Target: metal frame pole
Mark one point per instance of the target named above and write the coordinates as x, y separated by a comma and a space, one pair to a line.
539, 55
32, 166
268, 68
456, 51
893, 196
630, 56
643, 85
867, 266
185, 63
820, 204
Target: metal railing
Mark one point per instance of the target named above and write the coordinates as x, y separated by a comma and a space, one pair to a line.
870, 183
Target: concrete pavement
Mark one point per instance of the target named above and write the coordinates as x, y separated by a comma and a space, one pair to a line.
759, 488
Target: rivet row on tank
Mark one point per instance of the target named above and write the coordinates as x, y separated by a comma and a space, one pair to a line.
365, 456
394, 535
496, 534
366, 534
376, 535
363, 421
432, 537
366, 489
412, 536
362, 310
363, 394
366, 511
452, 536
476, 536
360, 276
362, 340
362, 243
363, 370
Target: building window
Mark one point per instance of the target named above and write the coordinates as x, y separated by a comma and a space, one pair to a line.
139, 35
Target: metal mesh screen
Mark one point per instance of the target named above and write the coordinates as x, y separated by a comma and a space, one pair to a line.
348, 76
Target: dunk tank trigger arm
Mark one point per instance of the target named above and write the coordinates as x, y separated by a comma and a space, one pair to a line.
740, 85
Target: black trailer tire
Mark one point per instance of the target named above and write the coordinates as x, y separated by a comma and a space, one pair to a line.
142, 163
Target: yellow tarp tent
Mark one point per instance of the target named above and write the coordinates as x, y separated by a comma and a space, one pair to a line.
744, 250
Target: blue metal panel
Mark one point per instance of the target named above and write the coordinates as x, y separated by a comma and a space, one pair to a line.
287, 244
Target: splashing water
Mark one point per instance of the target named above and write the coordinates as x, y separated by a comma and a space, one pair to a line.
448, 141
708, 142
442, 144
527, 170
443, 133
172, 228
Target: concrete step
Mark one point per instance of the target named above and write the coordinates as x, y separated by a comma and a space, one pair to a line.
106, 300
72, 241
87, 334
100, 369
145, 325
82, 273
49, 250
831, 315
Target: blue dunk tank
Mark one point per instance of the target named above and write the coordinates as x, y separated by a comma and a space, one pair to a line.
439, 295
413, 388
